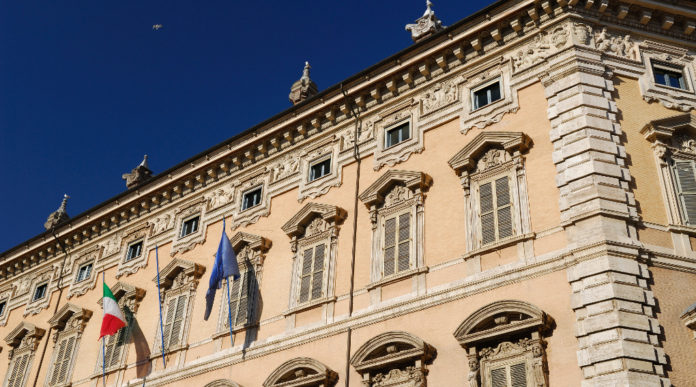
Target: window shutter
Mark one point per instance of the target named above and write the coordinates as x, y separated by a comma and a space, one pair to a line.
487, 215
498, 377
687, 189
306, 273
318, 276
65, 367
168, 322
58, 362
109, 350
234, 300
389, 245
18, 370
243, 298
502, 193
178, 320
404, 237
518, 375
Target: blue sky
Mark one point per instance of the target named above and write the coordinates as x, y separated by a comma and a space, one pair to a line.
87, 87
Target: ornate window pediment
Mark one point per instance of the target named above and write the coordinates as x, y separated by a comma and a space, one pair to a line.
313, 233
129, 263
23, 341
396, 204
24, 335
69, 323
78, 285
386, 152
689, 318
393, 359
491, 170
312, 188
223, 383
47, 278
505, 341
193, 211
302, 372
70, 317
178, 273
246, 213
658, 56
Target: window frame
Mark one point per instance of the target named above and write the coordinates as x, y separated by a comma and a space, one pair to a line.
3, 307
21, 349
79, 272
129, 257
495, 208
36, 288
484, 85
59, 358
185, 221
249, 191
404, 123
669, 68
319, 161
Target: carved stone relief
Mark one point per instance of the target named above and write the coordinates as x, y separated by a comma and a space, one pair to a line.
685, 143
543, 44
410, 376
621, 46
440, 95
398, 194
219, 197
492, 158
285, 167
347, 136
112, 245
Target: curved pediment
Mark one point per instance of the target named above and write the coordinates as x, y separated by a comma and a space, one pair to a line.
512, 142
391, 348
502, 318
412, 180
66, 312
222, 383
301, 371
329, 213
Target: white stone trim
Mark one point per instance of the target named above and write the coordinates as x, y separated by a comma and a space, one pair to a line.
195, 208
87, 257
312, 189
677, 57
242, 218
486, 115
397, 114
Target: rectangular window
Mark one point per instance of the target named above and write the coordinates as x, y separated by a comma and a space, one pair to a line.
397, 238
312, 275
3, 306
115, 343
514, 375
397, 134
240, 292
251, 198
135, 250
319, 169
173, 325
496, 211
668, 76
486, 95
84, 272
19, 369
40, 292
61, 366
685, 172
189, 226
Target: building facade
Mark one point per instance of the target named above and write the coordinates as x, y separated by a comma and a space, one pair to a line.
511, 201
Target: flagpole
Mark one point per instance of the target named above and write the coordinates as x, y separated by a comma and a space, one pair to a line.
229, 311
103, 341
159, 297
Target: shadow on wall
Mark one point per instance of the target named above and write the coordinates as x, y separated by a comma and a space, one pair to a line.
142, 347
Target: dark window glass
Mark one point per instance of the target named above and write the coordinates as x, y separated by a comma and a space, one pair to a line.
251, 198
486, 95
672, 78
397, 134
40, 292
189, 226
2, 307
135, 250
84, 272
319, 169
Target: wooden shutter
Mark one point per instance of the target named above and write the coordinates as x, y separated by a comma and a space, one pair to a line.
318, 273
487, 213
67, 357
177, 324
498, 377
518, 375
19, 368
389, 246
305, 277
234, 300
687, 189
55, 376
502, 195
404, 239
171, 309
243, 299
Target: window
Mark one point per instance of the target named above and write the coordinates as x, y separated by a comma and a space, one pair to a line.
115, 350
189, 226
514, 375
84, 272
15, 378
135, 249
251, 198
397, 240
239, 298
312, 273
68, 323
115, 344
496, 212
40, 292
486, 95
3, 306
667, 75
302, 372
22, 342
319, 169
397, 134
61, 364
173, 323
685, 173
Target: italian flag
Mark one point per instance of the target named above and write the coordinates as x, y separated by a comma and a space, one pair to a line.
113, 317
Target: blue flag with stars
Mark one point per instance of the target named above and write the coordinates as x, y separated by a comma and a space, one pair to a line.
225, 266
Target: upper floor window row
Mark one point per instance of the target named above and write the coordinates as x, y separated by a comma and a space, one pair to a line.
669, 75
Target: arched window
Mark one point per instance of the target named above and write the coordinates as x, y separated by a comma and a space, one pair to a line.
505, 345
395, 359
222, 383
302, 372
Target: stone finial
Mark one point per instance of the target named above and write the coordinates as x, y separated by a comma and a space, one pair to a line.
303, 88
138, 175
58, 216
426, 25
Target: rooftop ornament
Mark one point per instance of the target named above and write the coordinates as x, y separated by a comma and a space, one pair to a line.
138, 175
426, 25
58, 216
303, 88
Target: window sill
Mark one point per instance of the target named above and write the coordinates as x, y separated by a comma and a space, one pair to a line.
170, 351
479, 109
683, 229
110, 370
309, 305
398, 277
236, 329
672, 88
500, 244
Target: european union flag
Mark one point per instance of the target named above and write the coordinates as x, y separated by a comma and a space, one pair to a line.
225, 266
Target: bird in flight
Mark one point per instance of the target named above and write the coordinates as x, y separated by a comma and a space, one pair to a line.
156, 27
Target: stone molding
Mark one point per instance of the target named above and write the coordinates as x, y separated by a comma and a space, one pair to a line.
5, 296
185, 243
689, 319
192, 273
389, 118
223, 383
128, 296
49, 277
320, 186
139, 232
24, 335
242, 218
90, 256
680, 58
495, 69
301, 372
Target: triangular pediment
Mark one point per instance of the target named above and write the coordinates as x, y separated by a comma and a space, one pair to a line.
122, 289
465, 159
255, 242
173, 268
66, 312
23, 329
664, 128
412, 180
327, 212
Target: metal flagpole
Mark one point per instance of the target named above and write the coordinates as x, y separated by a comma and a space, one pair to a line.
229, 311
159, 297
103, 339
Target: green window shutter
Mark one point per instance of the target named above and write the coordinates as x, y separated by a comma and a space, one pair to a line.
687, 189
305, 278
518, 375
404, 239
499, 377
318, 274
389, 246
